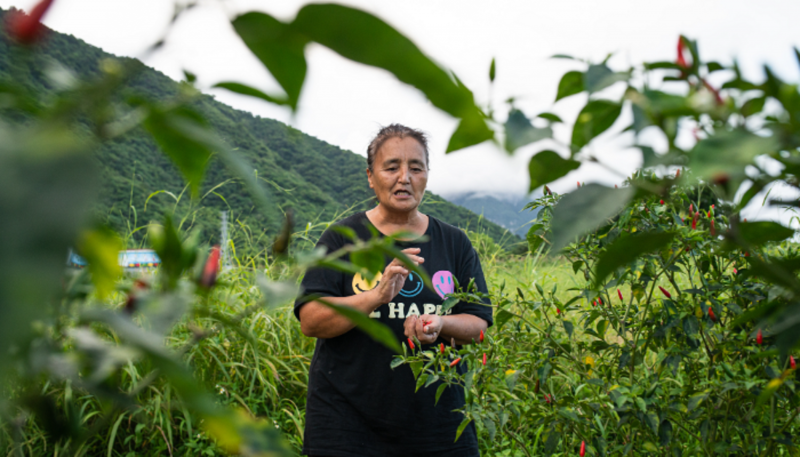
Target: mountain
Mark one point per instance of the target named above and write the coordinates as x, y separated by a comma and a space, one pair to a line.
318, 181
505, 210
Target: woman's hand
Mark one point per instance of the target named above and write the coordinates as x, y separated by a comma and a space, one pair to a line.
426, 328
394, 276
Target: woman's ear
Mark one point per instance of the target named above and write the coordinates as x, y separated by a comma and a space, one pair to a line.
369, 178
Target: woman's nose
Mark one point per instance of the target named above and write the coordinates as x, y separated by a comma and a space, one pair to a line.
404, 174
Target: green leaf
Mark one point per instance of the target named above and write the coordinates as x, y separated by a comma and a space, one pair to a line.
550, 117
595, 118
470, 131
598, 77
548, 166
695, 400
279, 47
364, 38
461, 427
625, 250
174, 131
100, 248
753, 106
492, 70
502, 316
584, 210
396, 362
568, 327
376, 330
577, 265
520, 131
439, 392
762, 232
243, 89
691, 325
370, 259
728, 153
448, 303
571, 83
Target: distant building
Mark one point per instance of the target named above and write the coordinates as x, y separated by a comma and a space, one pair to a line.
131, 259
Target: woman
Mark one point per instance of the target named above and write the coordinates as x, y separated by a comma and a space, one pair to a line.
357, 405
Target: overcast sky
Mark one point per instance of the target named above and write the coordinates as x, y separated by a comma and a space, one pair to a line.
345, 103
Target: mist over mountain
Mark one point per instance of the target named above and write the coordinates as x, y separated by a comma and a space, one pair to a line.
317, 181
504, 209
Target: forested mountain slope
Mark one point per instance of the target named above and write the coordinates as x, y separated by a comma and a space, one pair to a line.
318, 181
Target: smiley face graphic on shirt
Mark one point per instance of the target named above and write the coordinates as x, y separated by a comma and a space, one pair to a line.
361, 284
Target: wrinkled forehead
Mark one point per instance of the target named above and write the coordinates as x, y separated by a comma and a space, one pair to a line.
401, 150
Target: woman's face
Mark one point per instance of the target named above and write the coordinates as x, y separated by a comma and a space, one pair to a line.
399, 174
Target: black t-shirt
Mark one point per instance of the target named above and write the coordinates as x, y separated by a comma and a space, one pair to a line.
357, 405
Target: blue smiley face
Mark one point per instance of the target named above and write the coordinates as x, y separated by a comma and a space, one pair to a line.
412, 287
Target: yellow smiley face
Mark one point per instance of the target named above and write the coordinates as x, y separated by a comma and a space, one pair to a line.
361, 285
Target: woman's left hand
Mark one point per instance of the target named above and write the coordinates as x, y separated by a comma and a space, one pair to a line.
426, 328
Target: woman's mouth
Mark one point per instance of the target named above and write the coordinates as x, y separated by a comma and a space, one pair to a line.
402, 194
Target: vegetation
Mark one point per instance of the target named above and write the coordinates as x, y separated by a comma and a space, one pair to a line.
666, 327
317, 181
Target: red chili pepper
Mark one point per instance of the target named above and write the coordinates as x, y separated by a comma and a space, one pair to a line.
661, 201
619, 292
744, 220
664, 291
746, 254
558, 311
735, 271
594, 302
579, 184
709, 214
678, 173
711, 315
615, 186
681, 61
28, 28
694, 220
712, 206
411, 344
547, 398
713, 229
759, 338
583, 449
455, 362
441, 348
480, 338
792, 362
209, 277
600, 301
484, 359
691, 208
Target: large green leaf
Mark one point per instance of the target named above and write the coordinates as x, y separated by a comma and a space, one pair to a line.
571, 83
364, 38
174, 131
761, 232
584, 210
598, 77
470, 131
625, 250
100, 248
547, 166
47, 184
520, 131
728, 153
376, 330
595, 118
279, 47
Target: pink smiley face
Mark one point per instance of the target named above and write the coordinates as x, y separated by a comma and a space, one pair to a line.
443, 283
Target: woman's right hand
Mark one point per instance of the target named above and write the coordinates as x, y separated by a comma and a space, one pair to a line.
394, 276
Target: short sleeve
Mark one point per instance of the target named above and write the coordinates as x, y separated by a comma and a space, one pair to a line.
322, 281
469, 269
